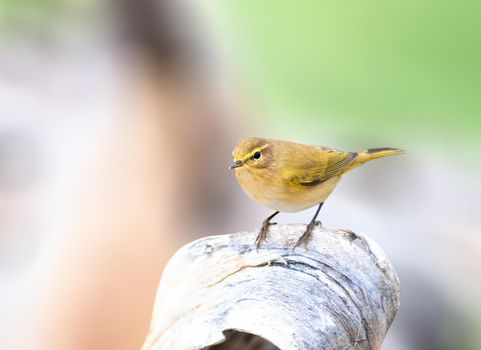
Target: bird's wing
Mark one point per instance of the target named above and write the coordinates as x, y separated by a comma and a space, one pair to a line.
318, 166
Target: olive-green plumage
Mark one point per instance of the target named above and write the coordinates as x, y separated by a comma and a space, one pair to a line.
289, 177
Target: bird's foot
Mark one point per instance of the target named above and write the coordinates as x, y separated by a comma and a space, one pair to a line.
306, 236
264, 231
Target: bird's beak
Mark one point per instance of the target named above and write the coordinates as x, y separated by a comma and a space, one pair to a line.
236, 164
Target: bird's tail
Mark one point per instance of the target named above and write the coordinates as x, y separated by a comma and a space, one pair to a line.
374, 153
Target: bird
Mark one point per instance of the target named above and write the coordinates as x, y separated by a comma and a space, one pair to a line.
290, 177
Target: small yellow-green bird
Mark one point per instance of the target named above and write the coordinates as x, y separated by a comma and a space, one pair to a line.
290, 177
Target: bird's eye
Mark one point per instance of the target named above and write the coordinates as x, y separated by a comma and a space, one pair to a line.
257, 155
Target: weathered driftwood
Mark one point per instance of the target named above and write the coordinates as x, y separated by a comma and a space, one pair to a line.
220, 293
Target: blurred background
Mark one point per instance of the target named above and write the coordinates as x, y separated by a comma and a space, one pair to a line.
117, 121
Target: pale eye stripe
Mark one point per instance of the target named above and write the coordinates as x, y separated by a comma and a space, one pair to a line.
260, 149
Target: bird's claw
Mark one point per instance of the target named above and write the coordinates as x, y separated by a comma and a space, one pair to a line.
306, 236
262, 236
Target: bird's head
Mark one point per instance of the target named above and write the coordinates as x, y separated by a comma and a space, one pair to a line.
252, 153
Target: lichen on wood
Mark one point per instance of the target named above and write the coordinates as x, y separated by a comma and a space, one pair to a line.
339, 292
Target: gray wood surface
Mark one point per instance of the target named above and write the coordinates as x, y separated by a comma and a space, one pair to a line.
339, 292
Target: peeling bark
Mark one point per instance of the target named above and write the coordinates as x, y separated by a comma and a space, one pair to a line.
339, 292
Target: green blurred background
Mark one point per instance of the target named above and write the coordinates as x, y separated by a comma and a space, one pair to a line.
382, 69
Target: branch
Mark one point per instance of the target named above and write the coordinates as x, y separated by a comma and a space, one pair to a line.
338, 293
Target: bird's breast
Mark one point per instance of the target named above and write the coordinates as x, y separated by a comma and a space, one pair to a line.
275, 192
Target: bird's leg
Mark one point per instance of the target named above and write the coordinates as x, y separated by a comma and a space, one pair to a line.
265, 229
306, 236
